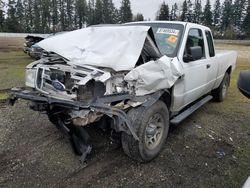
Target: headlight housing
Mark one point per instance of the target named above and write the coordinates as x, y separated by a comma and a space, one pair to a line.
30, 77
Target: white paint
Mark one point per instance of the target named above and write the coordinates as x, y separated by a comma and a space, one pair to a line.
112, 47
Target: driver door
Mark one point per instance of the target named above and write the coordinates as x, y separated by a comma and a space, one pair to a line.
193, 84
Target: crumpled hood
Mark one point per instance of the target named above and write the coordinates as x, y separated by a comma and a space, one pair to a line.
115, 47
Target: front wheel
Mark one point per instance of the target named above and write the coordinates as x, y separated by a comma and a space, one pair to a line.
152, 125
220, 93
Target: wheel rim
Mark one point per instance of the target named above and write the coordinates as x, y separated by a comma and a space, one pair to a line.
154, 131
224, 90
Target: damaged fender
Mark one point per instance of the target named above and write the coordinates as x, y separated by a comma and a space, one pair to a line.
155, 75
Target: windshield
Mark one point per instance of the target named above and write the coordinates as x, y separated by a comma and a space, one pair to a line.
167, 36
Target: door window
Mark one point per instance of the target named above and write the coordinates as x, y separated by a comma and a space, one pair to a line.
194, 45
210, 44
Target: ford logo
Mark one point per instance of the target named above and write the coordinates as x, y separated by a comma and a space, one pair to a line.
58, 85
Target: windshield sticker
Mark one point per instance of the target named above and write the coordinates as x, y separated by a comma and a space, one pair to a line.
168, 31
172, 39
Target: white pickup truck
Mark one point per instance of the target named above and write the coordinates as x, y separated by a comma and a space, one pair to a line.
135, 79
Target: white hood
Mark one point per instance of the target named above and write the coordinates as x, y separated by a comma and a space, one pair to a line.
116, 47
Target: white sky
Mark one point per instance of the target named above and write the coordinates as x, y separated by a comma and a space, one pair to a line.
149, 7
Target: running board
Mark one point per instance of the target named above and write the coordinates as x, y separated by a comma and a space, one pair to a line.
176, 120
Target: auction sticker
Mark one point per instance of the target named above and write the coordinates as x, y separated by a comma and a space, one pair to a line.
172, 39
168, 31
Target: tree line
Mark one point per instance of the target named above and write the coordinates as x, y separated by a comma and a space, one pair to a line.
228, 18
44, 16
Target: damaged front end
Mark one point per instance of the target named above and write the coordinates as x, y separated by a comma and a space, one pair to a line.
76, 91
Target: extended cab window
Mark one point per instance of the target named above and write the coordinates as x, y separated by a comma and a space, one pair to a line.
210, 44
194, 49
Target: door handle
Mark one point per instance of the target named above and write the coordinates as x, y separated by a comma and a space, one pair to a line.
208, 66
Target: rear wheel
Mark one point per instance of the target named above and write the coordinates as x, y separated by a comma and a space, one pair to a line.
152, 125
220, 93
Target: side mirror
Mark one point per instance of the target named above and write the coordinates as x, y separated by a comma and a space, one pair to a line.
195, 54
244, 83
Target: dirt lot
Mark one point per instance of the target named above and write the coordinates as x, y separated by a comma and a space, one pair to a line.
209, 149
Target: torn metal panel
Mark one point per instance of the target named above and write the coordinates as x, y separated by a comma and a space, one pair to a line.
155, 75
83, 120
112, 47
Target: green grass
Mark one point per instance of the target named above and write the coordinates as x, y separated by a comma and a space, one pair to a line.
3, 96
12, 69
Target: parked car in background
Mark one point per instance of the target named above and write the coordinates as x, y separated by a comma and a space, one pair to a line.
136, 79
30, 40
36, 52
31, 47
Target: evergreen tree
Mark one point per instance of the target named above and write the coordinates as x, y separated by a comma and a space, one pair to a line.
62, 13
189, 14
164, 12
37, 16
116, 16
125, 11
173, 14
91, 12
217, 15
80, 13
54, 15
98, 16
46, 8
239, 12
139, 17
197, 12
184, 11
69, 15
246, 22
109, 12
11, 21
28, 15
207, 14
20, 16
1, 19
227, 13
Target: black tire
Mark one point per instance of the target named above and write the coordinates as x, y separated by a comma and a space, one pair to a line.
79, 138
220, 93
140, 118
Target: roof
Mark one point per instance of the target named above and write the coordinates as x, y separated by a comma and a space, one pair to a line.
171, 22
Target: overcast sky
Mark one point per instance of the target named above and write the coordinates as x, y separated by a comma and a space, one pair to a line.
149, 7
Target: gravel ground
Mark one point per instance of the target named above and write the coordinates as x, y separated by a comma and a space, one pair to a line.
207, 150
210, 149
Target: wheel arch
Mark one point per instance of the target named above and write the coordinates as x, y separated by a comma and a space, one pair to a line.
229, 70
166, 98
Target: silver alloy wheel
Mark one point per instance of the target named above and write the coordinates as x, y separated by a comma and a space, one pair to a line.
224, 90
154, 131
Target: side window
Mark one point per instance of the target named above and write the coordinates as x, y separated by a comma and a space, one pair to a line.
210, 44
194, 49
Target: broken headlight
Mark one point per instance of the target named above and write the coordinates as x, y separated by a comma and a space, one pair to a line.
90, 91
30, 77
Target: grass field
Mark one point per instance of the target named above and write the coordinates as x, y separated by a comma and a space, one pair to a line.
210, 149
12, 64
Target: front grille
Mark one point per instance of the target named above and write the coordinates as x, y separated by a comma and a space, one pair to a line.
74, 82
46, 77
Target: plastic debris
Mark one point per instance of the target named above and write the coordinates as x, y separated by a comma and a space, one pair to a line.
221, 153
198, 126
211, 136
